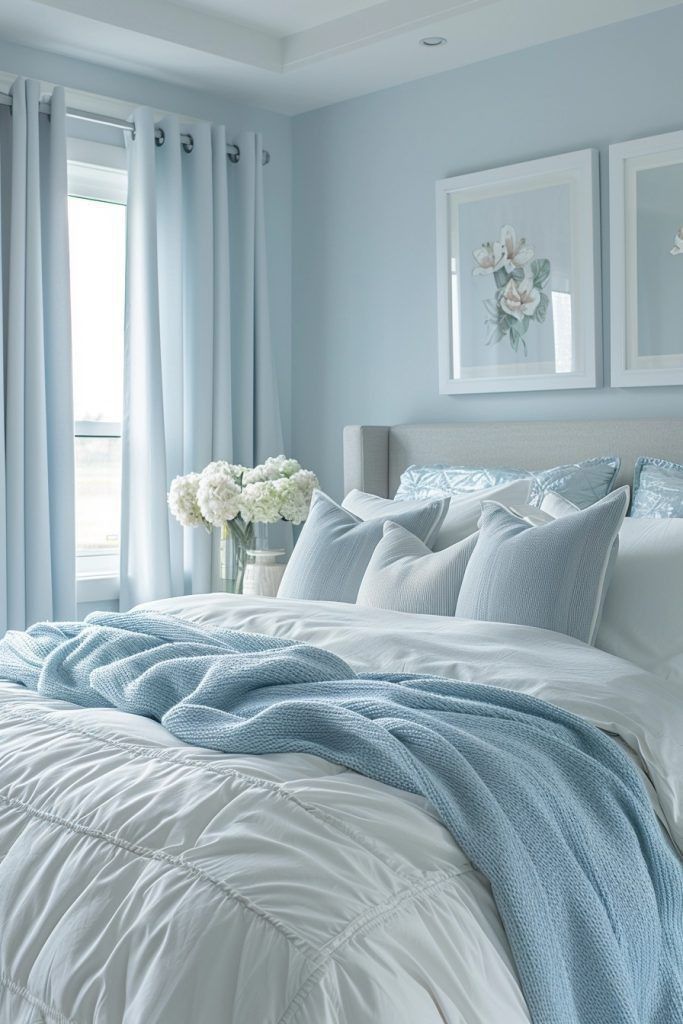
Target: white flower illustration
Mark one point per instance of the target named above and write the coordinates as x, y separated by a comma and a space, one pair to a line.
505, 254
678, 243
520, 299
519, 279
489, 258
516, 254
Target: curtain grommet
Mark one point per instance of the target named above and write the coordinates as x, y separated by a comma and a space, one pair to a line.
159, 136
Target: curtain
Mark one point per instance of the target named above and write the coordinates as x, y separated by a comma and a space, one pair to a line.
37, 533
179, 398
257, 419
258, 424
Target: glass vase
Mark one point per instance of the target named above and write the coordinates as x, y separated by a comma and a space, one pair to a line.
236, 539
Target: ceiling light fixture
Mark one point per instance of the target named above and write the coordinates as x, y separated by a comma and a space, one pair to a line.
433, 41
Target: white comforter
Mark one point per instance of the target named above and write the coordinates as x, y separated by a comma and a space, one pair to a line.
144, 881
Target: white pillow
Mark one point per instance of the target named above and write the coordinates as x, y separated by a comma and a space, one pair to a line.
553, 506
556, 505
403, 575
642, 619
461, 516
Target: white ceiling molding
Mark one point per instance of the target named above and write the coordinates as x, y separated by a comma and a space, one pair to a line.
367, 26
296, 56
181, 24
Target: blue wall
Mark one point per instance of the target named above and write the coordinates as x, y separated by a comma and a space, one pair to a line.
364, 302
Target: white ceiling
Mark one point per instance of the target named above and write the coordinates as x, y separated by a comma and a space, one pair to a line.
295, 55
279, 17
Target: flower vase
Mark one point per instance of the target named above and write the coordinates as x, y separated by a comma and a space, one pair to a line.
236, 540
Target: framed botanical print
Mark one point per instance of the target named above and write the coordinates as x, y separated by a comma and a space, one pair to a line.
646, 260
517, 259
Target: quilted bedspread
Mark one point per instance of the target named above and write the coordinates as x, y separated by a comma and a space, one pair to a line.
142, 879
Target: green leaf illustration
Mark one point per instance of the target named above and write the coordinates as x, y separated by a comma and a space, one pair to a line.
540, 270
542, 308
517, 333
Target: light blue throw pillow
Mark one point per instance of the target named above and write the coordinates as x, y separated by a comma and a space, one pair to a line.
404, 575
335, 547
582, 483
657, 489
551, 576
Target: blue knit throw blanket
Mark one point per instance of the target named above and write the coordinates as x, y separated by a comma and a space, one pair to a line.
549, 809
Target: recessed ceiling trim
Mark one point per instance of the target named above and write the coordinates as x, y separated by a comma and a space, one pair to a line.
188, 27
202, 44
380, 21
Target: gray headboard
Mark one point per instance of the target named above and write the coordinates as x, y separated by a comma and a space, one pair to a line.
375, 457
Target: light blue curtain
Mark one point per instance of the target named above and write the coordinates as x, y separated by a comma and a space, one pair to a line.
37, 532
257, 418
179, 394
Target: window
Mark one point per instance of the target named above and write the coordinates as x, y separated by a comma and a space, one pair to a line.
97, 230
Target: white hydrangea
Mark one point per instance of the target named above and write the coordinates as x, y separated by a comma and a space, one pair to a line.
277, 489
274, 468
306, 481
218, 493
182, 500
260, 502
293, 502
232, 469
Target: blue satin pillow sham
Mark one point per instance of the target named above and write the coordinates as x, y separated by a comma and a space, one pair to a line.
657, 489
582, 483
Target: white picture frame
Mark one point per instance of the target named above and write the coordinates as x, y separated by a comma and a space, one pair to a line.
559, 346
642, 172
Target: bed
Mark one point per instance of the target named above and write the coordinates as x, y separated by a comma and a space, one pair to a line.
143, 878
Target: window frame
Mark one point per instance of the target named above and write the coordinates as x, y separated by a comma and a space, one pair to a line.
98, 172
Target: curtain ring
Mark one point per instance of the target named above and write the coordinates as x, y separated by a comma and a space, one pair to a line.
159, 136
188, 144
234, 157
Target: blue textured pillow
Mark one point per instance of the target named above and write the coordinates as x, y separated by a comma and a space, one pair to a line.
551, 576
333, 551
582, 483
404, 575
657, 489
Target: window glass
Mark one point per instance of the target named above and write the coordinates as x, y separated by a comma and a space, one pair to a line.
97, 233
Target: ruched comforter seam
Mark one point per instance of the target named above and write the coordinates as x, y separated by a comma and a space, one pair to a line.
362, 924
50, 1012
138, 850
176, 757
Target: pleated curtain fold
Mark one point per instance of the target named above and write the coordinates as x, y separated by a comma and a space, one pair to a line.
257, 418
183, 405
37, 531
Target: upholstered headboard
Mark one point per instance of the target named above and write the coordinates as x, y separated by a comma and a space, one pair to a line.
375, 457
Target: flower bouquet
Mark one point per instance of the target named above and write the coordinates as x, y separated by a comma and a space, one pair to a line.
234, 498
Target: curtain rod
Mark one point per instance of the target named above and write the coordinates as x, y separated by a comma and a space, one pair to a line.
187, 142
